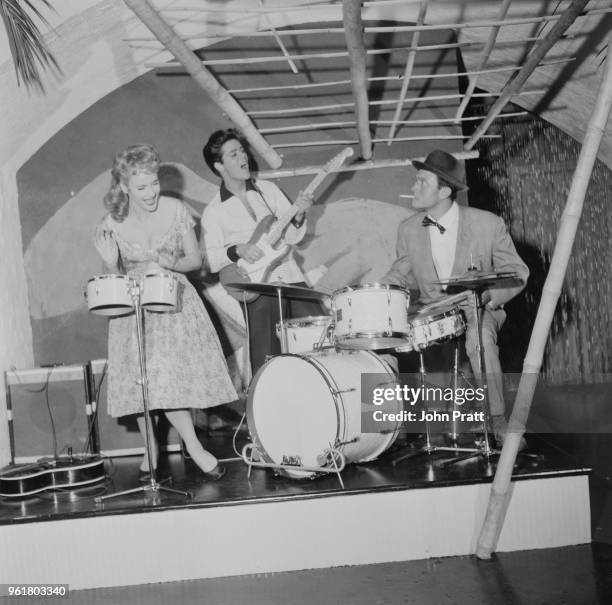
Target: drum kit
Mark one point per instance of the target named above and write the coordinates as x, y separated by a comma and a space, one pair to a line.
117, 295
304, 406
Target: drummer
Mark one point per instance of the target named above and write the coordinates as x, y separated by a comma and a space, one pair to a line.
445, 239
229, 223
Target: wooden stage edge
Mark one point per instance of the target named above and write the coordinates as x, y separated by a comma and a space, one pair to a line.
308, 531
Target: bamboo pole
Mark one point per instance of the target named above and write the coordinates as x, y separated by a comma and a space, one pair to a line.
500, 495
168, 37
368, 165
347, 124
299, 7
373, 30
486, 53
351, 15
334, 55
429, 137
249, 11
279, 41
516, 82
454, 74
408, 70
333, 106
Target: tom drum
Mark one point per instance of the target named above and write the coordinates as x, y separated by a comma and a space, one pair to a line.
306, 333
371, 316
110, 294
159, 292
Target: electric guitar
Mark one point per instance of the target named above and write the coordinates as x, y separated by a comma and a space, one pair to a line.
68, 472
268, 237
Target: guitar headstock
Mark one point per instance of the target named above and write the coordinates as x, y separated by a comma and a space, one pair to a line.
338, 159
331, 166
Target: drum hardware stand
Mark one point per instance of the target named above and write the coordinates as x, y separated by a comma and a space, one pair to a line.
453, 435
247, 458
484, 448
428, 448
153, 486
248, 376
283, 331
327, 332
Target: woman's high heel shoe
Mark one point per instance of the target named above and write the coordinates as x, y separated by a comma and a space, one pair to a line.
216, 473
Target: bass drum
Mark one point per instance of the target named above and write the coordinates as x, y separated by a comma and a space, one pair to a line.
301, 405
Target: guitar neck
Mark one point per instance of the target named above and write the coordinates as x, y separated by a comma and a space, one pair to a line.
284, 220
281, 223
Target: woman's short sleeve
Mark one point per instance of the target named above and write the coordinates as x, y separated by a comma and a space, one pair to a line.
185, 221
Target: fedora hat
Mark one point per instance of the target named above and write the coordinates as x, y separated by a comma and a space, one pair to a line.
444, 165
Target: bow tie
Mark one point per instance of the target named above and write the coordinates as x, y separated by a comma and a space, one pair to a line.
429, 222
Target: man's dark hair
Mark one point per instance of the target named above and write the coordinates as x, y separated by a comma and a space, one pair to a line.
212, 149
453, 189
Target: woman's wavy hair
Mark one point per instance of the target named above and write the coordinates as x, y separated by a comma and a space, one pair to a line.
130, 161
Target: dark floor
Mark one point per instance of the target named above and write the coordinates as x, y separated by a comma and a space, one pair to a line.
576, 575
421, 471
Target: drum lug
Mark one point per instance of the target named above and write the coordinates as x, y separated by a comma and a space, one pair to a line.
339, 391
341, 443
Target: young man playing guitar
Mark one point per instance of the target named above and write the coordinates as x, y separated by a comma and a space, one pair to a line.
230, 225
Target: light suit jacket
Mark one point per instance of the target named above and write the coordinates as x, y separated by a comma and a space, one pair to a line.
482, 239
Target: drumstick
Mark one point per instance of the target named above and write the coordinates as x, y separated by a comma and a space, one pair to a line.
449, 300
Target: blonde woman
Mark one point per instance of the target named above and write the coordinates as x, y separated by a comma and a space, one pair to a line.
145, 232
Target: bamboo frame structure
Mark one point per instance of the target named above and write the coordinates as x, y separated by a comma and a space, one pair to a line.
308, 109
168, 37
515, 83
333, 55
338, 142
280, 42
486, 53
398, 77
368, 165
408, 70
346, 124
500, 494
351, 14
371, 30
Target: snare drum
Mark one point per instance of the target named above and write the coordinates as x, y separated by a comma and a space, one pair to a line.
301, 405
159, 292
432, 329
305, 333
110, 294
371, 316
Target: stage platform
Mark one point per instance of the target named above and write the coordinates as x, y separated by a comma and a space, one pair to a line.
267, 523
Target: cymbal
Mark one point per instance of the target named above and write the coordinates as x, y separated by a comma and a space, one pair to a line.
272, 289
473, 280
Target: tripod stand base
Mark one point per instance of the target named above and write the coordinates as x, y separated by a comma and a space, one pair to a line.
153, 487
429, 450
486, 453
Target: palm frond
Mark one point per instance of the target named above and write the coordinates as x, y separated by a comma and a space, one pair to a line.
28, 47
